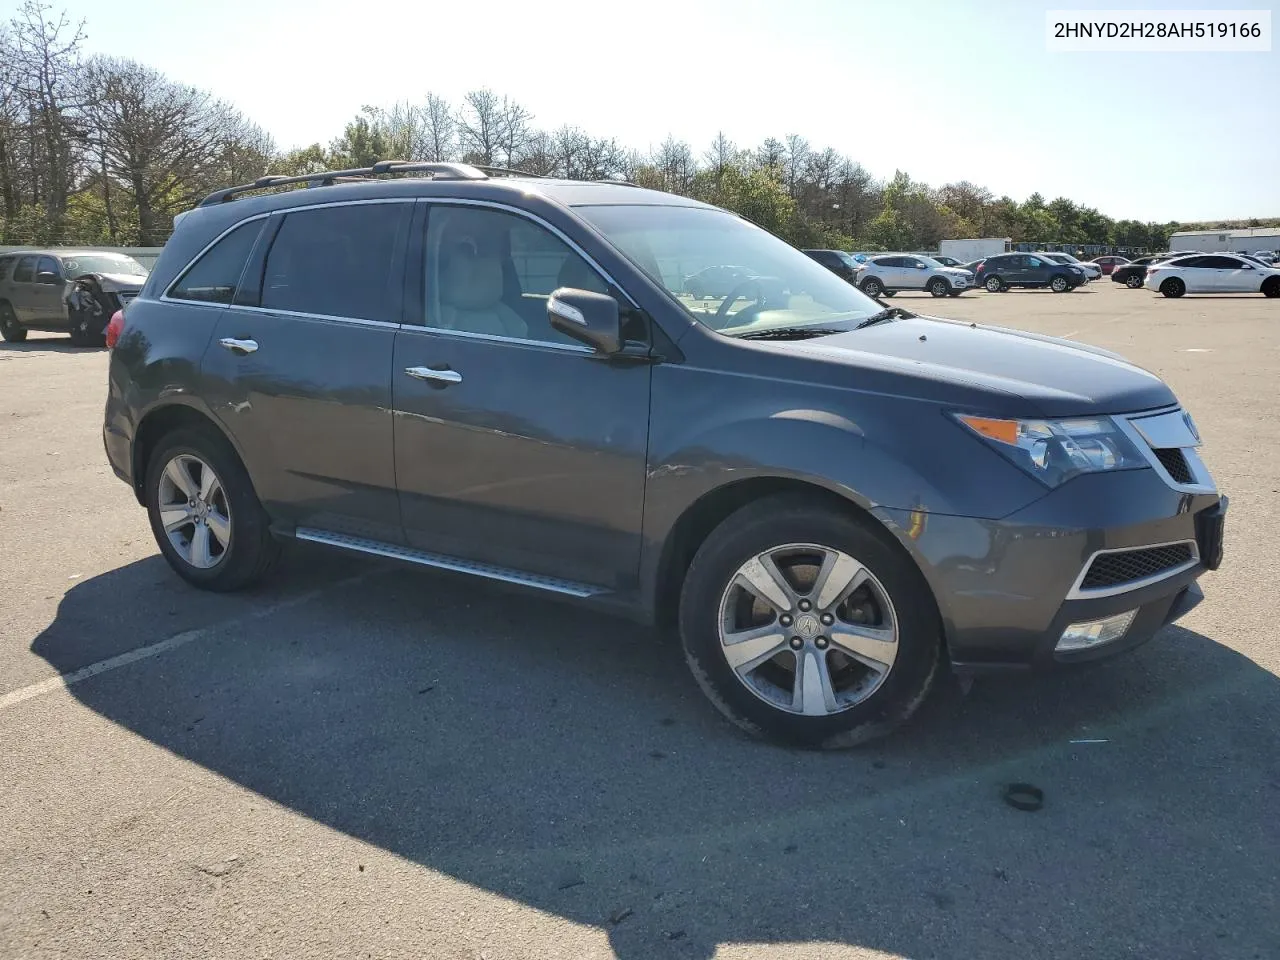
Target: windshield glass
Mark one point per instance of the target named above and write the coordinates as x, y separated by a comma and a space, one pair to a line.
727, 273
83, 263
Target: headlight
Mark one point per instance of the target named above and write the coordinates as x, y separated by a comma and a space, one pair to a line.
1054, 451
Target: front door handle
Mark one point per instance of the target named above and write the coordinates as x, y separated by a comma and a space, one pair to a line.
238, 346
426, 373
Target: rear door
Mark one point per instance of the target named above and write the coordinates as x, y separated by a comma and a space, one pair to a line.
515, 446
22, 292
299, 367
1017, 269
890, 271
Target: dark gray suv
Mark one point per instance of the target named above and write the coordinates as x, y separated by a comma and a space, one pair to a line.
505, 377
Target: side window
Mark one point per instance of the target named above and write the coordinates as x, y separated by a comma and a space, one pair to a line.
214, 277
1223, 263
1189, 262
25, 271
490, 272
337, 261
49, 265
6, 264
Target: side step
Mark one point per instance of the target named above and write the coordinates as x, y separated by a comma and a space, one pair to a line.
442, 562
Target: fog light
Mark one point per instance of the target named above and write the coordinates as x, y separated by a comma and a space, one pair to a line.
1081, 636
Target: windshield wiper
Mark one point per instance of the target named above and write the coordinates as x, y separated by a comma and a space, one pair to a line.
790, 333
889, 313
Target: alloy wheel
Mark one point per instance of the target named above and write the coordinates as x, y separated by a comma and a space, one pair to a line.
194, 511
808, 629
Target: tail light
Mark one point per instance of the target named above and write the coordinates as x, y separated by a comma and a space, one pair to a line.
115, 326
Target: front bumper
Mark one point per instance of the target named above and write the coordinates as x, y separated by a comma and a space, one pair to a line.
1005, 587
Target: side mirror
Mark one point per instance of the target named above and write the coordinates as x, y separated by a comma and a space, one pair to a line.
590, 318
47, 277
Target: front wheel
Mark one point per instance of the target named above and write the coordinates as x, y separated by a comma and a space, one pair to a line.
9, 326
939, 287
1272, 287
204, 513
872, 287
808, 626
1173, 287
1059, 284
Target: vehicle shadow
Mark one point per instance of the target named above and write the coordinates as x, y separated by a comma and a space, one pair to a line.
57, 345
568, 762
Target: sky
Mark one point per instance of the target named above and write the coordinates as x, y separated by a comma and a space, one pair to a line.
945, 90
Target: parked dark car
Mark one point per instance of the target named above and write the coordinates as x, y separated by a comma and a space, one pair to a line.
948, 261
837, 261
1004, 271
65, 291
972, 266
1134, 273
498, 376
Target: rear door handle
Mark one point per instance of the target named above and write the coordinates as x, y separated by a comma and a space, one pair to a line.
426, 373
238, 346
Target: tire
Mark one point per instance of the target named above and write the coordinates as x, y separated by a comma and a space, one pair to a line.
1173, 287
696, 291
1133, 281
83, 334
10, 329
249, 551
1271, 287
939, 287
872, 287
866, 703
1059, 284
994, 285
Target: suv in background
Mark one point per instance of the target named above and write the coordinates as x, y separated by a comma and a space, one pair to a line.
838, 262
65, 291
498, 376
1032, 270
894, 272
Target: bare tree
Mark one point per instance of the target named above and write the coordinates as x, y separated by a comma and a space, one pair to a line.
165, 142
721, 154
439, 129
793, 166
480, 125
675, 165
514, 129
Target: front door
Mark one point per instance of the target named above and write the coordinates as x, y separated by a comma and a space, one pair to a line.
301, 371
22, 291
1236, 276
514, 445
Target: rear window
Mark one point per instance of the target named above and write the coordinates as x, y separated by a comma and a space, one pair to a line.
25, 271
215, 277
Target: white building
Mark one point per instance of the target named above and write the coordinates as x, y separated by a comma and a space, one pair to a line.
1227, 241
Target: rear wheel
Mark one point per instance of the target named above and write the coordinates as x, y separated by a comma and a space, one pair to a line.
9, 326
872, 287
1271, 288
1133, 281
807, 625
1173, 287
939, 287
994, 285
204, 513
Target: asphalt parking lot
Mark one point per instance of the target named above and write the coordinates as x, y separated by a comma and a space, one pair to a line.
364, 760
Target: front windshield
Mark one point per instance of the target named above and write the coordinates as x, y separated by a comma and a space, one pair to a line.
82, 263
726, 273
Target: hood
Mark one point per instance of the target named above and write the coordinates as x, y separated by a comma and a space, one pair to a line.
956, 271
1056, 378
120, 282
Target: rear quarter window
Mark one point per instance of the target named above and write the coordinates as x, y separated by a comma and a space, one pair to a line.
5, 266
216, 274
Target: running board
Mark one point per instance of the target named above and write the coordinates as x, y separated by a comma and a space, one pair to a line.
442, 562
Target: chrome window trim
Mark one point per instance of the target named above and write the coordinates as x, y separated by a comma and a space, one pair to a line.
1079, 593
495, 338
1202, 480
301, 315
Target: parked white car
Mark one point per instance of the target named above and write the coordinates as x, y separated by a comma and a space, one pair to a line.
1212, 273
889, 273
1092, 271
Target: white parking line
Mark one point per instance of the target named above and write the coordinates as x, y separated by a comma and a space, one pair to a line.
65, 680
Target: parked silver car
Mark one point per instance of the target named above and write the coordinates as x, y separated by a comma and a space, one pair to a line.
66, 291
893, 272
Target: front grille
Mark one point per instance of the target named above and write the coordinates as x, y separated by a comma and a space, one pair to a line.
1113, 569
1173, 461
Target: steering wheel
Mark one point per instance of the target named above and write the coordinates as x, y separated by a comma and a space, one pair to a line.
740, 293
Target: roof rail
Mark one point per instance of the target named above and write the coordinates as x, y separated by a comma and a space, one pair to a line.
439, 171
